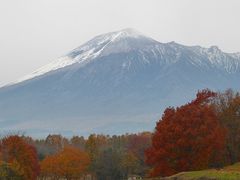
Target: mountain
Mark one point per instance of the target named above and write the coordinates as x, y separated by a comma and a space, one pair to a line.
115, 83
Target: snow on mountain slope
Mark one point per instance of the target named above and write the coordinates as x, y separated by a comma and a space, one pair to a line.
215, 57
98, 46
131, 40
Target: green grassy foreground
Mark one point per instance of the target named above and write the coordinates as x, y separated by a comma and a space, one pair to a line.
227, 173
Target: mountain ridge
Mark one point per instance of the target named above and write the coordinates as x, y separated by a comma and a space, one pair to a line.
86, 51
118, 88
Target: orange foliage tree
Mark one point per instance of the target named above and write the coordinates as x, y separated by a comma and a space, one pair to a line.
187, 138
20, 156
69, 163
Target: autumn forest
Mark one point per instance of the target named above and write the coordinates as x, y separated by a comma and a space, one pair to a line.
202, 134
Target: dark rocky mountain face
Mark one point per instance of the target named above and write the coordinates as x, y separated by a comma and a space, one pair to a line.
115, 83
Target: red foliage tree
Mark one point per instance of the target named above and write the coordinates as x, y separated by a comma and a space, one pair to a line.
21, 156
187, 138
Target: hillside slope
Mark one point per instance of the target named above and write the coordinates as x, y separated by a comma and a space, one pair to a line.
116, 83
228, 173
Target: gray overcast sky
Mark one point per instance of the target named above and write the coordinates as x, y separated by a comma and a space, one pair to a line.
35, 32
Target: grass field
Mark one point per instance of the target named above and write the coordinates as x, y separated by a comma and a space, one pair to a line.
227, 173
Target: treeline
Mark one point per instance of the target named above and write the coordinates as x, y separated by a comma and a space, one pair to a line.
100, 157
202, 134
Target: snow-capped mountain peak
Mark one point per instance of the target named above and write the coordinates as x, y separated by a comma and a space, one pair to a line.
122, 40
101, 45
124, 33
127, 40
